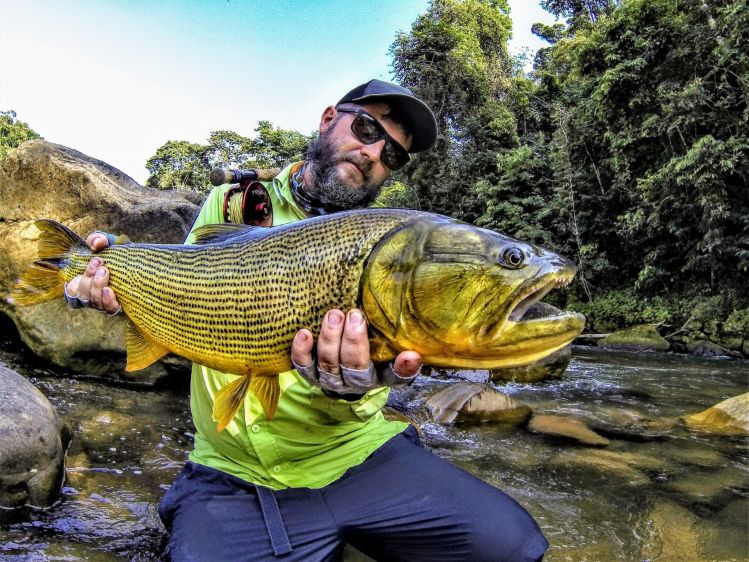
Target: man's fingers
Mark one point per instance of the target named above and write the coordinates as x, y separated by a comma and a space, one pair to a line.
100, 280
301, 348
407, 364
97, 241
109, 302
329, 342
354, 352
84, 285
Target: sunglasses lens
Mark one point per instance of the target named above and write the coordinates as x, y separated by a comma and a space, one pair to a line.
369, 131
393, 156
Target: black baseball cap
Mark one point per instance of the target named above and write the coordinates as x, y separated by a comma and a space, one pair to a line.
415, 114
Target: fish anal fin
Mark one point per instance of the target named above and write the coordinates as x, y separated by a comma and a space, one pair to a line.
267, 390
228, 399
141, 352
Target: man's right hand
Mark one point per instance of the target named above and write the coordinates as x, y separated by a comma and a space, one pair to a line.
92, 286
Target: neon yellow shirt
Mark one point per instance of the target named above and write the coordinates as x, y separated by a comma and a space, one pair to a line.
313, 439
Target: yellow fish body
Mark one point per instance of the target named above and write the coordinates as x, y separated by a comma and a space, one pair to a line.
233, 302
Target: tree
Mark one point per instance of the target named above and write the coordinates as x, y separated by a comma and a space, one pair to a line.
179, 165
455, 58
13, 132
185, 165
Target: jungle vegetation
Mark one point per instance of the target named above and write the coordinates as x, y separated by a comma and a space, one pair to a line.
626, 147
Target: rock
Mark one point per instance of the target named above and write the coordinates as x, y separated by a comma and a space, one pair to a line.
560, 426
466, 401
671, 533
704, 348
550, 367
730, 417
45, 180
638, 338
610, 464
33, 440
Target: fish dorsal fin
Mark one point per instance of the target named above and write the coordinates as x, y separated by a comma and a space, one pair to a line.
213, 233
140, 352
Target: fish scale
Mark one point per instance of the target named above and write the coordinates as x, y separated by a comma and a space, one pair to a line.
236, 306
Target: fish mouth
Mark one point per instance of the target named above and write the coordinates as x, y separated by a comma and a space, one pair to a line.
534, 291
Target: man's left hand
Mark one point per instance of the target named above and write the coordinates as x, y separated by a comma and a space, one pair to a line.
343, 365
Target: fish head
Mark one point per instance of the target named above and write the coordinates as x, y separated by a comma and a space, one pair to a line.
458, 294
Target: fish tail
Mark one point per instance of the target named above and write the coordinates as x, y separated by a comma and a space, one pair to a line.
44, 280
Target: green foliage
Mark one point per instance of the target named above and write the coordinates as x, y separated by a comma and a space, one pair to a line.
619, 309
397, 195
179, 165
185, 165
13, 132
455, 58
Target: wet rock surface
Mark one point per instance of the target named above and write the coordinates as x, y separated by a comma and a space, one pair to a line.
465, 401
730, 417
33, 440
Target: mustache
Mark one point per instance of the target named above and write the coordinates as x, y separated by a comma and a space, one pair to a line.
364, 164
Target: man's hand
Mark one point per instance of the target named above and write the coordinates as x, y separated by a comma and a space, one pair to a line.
343, 365
92, 287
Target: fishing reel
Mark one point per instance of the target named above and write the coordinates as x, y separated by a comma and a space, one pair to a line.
247, 201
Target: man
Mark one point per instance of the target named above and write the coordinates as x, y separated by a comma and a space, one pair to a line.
328, 469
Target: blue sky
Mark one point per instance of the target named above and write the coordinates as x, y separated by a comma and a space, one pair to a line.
116, 79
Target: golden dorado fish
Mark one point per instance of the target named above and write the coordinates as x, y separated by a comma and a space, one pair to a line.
233, 302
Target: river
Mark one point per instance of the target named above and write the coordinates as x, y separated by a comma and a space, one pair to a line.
657, 492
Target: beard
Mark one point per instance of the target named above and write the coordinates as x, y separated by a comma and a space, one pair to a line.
330, 187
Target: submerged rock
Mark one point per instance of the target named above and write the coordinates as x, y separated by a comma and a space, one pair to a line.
45, 180
730, 417
33, 440
560, 426
467, 401
671, 533
638, 338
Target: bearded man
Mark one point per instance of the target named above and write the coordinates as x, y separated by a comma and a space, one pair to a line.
328, 469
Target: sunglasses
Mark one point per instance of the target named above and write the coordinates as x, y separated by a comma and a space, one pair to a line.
369, 131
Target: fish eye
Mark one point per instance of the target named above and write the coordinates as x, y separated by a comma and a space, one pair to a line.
513, 258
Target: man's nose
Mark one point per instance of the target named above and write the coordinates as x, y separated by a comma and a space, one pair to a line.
373, 151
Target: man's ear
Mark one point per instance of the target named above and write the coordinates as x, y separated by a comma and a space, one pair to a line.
328, 115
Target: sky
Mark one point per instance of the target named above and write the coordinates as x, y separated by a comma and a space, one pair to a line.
116, 79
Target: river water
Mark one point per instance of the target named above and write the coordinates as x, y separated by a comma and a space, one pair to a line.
658, 492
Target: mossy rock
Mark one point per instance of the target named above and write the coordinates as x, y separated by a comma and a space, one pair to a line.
638, 338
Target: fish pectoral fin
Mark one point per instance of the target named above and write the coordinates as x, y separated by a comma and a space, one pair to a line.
141, 352
267, 390
228, 399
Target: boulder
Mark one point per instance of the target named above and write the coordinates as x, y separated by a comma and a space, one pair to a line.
565, 427
466, 401
704, 348
730, 417
550, 367
33, 440
45, 180
638, 338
